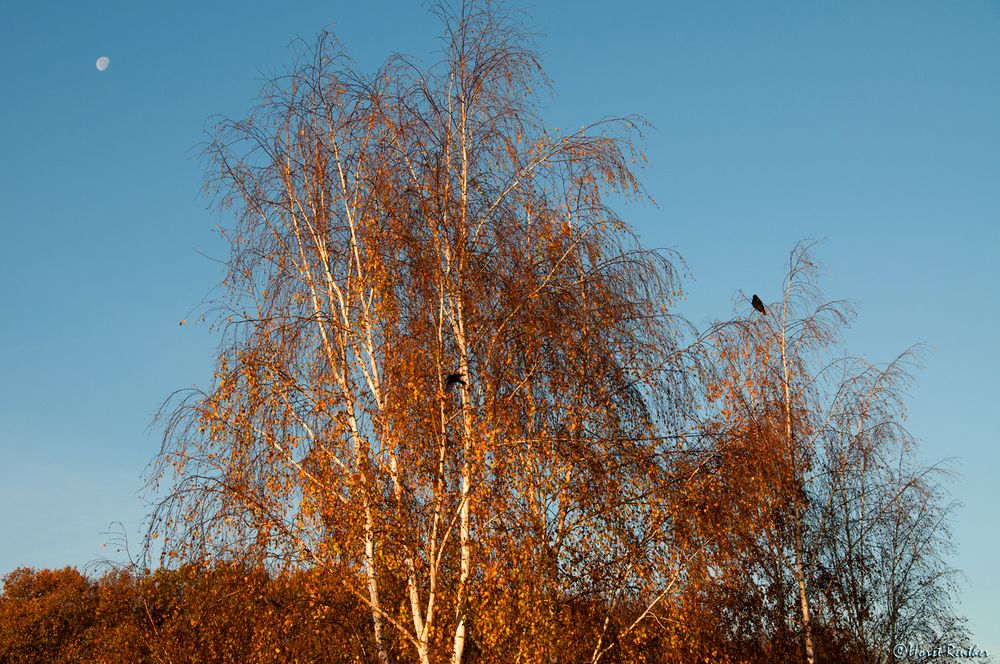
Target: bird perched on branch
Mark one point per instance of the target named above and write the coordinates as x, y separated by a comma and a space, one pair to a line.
758, 305
452, 380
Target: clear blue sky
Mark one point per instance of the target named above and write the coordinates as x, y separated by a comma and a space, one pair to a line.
875, 125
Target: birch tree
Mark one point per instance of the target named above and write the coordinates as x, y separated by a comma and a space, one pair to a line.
830, 536
447, 367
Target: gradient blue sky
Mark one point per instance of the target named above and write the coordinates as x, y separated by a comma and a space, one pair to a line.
875, 125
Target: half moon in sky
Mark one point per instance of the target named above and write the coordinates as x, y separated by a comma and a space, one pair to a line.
103, 62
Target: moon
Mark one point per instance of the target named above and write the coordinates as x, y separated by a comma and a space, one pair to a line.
103, 63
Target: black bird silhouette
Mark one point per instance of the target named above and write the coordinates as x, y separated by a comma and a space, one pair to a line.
758, 305
452, 380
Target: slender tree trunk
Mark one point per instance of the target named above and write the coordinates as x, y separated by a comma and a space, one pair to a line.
370, 544
383, 656
465, 538
466, 567
800, 572
800, 579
